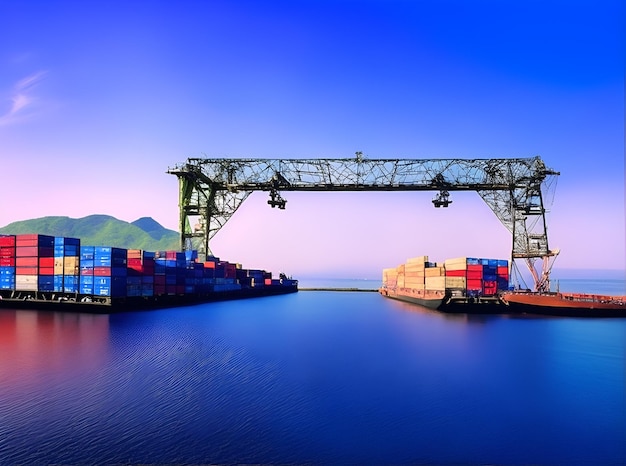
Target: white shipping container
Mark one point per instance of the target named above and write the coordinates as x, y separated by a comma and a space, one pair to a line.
26, 282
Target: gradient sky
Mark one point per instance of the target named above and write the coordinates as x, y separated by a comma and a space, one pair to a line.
99, 99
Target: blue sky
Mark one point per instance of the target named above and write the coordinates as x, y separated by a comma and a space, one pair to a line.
99, 99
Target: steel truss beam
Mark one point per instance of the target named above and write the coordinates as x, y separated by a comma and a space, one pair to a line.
211, 190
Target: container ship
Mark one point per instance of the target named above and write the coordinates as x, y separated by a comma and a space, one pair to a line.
565, 304
42, 271
465, 284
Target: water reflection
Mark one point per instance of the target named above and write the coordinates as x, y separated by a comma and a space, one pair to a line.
36, 343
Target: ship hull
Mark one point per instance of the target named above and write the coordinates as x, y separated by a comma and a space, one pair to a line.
431, 302
46, 302
566, 305
445, 302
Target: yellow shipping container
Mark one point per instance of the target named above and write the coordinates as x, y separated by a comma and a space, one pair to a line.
417, 260
415, 274
436, 283
71, 265
414, 267
460, 263
58, 266
435, 272
456, 282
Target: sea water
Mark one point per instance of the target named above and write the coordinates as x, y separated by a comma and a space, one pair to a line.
317, 377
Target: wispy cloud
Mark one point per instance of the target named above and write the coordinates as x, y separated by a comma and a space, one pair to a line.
22, 99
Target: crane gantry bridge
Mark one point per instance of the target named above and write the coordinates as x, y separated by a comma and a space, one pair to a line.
211, 190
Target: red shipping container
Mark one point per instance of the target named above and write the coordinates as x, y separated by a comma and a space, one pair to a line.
102, 271
474, 274
7, 240
27, 240
209, 265
456, 273
7, 261
134, 261
46, 262
26, 251
26, 261
27, 237
490, 288
503, 272
7, 251
26, 270
46, 270
473, 284
475, 267
86, 271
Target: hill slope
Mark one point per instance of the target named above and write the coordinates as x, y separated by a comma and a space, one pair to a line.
101, 230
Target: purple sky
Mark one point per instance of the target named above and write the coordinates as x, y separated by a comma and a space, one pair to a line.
99, 99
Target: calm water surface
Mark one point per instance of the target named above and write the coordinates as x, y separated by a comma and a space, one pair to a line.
313, 377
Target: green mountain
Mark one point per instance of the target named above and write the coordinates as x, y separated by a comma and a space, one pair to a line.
102, 230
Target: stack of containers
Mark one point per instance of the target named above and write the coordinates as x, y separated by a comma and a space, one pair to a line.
110, 271
7, 262
159, 273
390, 278
208, 274
226, 277
474, 276
414, 273
140, 272
257, 277
66, 264
434, 277
34, 263
490, 277
193, 272
169, 273
134, 274
85, 284
181, 271
456, 274
502, 274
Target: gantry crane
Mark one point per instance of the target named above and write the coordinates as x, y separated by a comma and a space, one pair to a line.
211, 190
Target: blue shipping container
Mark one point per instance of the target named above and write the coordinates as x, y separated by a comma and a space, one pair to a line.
7, 271
87, 253
70, 283
45, 282
58, 282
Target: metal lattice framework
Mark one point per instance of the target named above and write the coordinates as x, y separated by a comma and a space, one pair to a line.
211, 190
